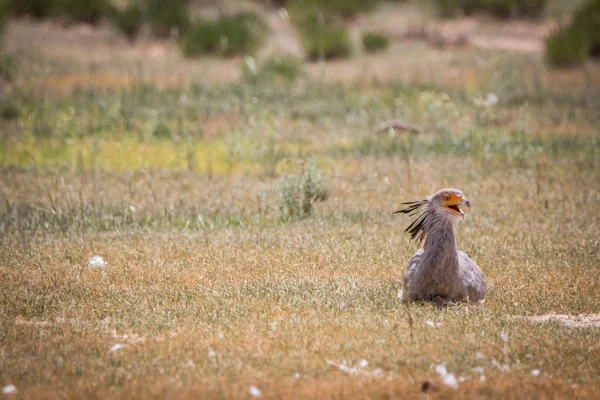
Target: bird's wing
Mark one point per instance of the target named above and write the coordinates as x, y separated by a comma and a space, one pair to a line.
471, 276
411, 269
413, 264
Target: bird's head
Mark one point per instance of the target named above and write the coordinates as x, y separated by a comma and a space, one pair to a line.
448, 202
440, 208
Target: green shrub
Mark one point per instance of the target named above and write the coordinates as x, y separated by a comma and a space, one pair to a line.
346, 8
374, 41
277, 3
9, 110
498, 8
532, 8
573, 44
327, 42
566, 47
230, 35
32, 8
71, 10
322, 34
90, 12
287, 67
166, 16
298, 192
129, 20
276, 68
587, 21
5, 12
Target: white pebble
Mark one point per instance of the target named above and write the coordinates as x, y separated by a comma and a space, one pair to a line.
254, 391
9, 389
96, 262
535, 372
450, 380
363, 363
447, 378
441, 369
491, 99
116, 347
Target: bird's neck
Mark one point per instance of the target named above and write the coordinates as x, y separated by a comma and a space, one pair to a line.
440, 244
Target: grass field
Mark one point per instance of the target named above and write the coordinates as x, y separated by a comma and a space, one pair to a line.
212, 290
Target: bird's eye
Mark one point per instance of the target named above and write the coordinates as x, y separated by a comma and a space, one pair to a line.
446, 197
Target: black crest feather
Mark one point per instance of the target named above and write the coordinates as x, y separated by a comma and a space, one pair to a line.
417, 228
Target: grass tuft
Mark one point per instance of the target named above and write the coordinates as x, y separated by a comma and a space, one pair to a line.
298, 192
275, 68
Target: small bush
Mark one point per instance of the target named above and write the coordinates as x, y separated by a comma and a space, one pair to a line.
5, 12
277, 3
90, 12
532, 8
166, 16
347, 8
9, 110
587, 22
322, 34
72, 10
327, 42
497, 8
573, 44
565, 47
373, 41
298, 192
129, 20
227, 36
32, 8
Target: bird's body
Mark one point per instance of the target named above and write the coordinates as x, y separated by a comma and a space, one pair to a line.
439, 269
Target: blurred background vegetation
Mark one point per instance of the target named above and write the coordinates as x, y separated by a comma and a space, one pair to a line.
320, 23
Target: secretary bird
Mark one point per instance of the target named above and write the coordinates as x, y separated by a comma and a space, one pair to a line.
439, 270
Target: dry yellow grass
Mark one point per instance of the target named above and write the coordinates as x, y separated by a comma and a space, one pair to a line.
206, 287
210, 312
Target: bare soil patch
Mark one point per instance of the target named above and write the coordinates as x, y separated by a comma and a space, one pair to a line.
571, 321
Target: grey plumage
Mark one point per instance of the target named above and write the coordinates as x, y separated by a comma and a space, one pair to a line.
439, 269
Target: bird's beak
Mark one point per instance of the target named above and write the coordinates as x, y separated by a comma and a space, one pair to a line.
465, 202
456, 208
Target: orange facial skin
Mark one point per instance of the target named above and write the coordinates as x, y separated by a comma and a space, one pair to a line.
453, 201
